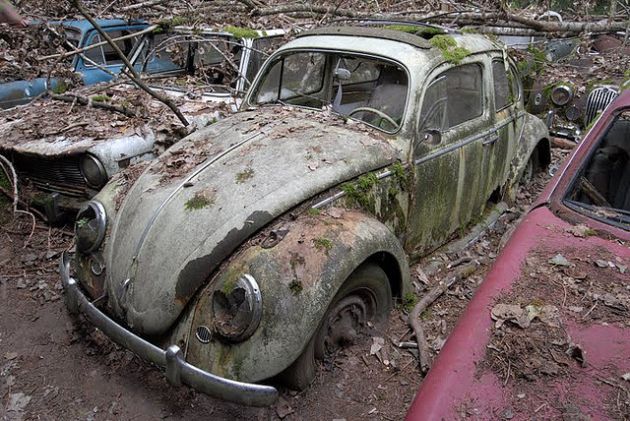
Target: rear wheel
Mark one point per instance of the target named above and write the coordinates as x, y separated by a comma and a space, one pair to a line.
531, 168
365, 297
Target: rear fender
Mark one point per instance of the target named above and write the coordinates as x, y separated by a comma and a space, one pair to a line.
298, 278
534, 135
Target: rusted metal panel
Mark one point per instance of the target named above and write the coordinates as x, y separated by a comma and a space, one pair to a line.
298, 277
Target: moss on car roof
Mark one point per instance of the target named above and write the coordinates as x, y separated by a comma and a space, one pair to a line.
359, 31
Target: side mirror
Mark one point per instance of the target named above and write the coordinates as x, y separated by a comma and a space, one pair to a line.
432, 137
342, 74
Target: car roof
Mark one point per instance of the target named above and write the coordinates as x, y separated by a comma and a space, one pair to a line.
475, 43
84, 25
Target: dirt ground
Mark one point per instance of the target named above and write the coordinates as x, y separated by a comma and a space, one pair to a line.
52, 367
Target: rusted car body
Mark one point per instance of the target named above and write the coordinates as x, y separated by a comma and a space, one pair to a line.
243, 248
584, 217
63, 170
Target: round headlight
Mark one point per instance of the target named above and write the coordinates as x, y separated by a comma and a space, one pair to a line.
90, 226
561, 95
93, 171
237, 310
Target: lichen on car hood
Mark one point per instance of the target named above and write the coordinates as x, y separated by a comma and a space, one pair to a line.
214, 190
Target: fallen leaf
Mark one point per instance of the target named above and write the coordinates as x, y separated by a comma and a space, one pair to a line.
377, 344
10, 355
283, 408
559, 260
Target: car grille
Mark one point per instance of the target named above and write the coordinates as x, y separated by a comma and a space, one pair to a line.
597, 101
52, 175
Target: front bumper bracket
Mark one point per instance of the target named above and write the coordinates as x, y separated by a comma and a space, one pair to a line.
178, 371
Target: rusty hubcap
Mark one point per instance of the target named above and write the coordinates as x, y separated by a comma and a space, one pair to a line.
345, 323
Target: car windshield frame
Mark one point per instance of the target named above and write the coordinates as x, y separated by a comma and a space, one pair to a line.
272, 61
618, 218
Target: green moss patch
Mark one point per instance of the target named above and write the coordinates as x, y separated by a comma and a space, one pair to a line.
244, 175
360, 192
199, 201
449, 48
296, 287
423, 31
313, 212
409, 301
241, 33
323, 244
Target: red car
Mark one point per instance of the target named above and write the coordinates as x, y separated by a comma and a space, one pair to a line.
547, 335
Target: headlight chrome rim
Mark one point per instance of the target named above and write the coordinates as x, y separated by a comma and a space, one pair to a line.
102, 173
561, 95
253, 297
101, 223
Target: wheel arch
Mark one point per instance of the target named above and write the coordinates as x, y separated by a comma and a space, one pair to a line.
299, 278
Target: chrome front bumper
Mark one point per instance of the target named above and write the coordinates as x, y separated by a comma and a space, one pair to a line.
178, 371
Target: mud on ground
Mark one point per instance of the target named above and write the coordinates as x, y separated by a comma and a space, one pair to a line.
52, 367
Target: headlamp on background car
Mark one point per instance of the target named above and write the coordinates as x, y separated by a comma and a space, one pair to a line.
93, 171
237, 309
90, 226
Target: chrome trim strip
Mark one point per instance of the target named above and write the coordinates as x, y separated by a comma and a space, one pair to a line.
418, 161
178, 371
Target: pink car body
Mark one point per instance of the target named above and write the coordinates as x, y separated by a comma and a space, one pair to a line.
460, 384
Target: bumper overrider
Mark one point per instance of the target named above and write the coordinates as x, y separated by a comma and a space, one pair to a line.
178, 371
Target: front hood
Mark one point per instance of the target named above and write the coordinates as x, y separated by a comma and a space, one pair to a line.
209, 193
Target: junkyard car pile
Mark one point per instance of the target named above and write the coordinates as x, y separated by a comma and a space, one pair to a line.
555, 306
97, 64
261, 243
64, 155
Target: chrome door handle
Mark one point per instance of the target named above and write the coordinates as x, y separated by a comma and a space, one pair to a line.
490, 141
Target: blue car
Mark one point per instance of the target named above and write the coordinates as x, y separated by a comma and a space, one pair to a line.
80, 33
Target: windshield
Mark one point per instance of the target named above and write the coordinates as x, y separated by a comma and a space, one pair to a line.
366, 89
602, 187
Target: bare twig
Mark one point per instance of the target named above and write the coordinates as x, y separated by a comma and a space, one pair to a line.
132, 73
98, 44
426, 301
86, 101
7, 167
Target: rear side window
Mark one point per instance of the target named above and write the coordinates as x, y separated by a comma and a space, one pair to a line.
454, 97
105, 55
502, 89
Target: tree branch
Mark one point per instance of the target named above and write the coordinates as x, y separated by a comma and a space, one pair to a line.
133, 74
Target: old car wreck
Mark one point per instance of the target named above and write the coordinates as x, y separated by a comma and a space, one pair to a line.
206, 71
555, 304
261, 243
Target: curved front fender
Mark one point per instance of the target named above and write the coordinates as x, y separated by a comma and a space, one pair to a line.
298, 278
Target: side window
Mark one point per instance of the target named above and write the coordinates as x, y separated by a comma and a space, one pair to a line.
105, 55
454, 97
515, 87
261, 50
503, 95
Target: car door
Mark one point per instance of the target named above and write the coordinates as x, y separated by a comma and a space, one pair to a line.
498, 147
453, 123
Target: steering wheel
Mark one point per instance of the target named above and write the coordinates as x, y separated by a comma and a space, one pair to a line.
379, 113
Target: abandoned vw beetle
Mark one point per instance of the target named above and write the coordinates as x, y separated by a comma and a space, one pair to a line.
261, 243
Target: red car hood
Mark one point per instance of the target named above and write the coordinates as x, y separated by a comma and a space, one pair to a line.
573, 364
